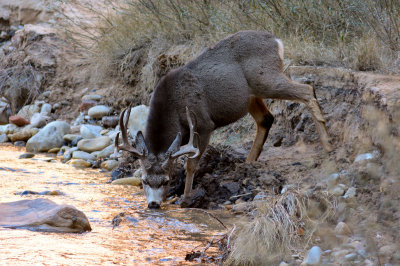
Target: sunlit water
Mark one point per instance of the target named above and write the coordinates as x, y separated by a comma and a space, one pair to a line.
145, 237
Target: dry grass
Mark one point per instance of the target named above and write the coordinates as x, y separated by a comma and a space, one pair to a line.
126, 38
19, 85
283, 223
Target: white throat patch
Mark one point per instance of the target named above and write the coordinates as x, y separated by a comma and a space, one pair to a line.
280, 48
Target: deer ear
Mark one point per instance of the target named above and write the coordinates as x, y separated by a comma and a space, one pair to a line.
175, 145
141, 144
171, 150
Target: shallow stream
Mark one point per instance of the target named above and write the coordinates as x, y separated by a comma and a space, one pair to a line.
143, 236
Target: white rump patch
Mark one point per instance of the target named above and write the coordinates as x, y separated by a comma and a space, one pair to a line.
280, 48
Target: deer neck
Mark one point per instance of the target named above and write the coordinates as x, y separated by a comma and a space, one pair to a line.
163, 120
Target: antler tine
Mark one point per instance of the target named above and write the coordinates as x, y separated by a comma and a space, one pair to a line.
188, 148
123, 126
126, 146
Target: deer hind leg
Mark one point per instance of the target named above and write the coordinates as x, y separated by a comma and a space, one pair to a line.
264, 120
305, 93
278, 86
319, 121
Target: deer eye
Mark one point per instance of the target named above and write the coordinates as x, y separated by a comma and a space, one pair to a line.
145, 182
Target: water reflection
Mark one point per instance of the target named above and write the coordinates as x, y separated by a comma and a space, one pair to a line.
142, 236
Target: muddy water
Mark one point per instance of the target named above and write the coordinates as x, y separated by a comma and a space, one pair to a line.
143, 237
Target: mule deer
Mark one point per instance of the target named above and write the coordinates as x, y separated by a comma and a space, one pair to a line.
219, 87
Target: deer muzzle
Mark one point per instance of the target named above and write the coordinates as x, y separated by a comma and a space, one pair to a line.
154, 196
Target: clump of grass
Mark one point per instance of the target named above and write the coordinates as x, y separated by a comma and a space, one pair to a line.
125, 38
283, 223
19, 85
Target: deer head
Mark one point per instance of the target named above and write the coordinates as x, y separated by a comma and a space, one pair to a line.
156, 168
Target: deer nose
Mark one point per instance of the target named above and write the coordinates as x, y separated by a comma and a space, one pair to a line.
154, 205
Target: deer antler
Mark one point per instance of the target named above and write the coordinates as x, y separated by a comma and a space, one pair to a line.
188, 148
126, 146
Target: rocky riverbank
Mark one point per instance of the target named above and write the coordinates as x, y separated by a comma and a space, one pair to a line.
88, 141
339, 208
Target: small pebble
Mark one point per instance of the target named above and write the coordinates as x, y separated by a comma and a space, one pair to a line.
337, 191
27, 192
313, 257
342, 229
54, 150
26, 155
350, 193
133, 181
350, 257
20, 143
79, 163
52, 192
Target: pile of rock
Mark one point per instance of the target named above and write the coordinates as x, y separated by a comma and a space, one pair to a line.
89, 141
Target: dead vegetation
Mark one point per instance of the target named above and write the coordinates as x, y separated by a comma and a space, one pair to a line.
19, 85
138, 41
29, 67
283, 223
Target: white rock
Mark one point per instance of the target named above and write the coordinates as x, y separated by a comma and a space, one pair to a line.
79, 163
8, 129
68, 154
83, 155
4, 112
39, 120
337, 191
342, 229
28, 110
133, 181
51, 136
90, 131
109, 164
21, 135
138, 119
366, 156
106, 152
46, 109
368, 263
46, 94
91, 145
79, 120
104, 132
3, 138
350, 193
112, 134
99, 111
70, 137
350, 257
94, 97
57, 106
95, 153
313, 256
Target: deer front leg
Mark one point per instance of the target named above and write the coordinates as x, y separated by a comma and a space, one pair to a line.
264, 120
